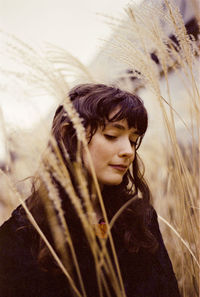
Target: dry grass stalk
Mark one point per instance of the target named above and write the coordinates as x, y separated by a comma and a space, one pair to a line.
135, 39
67, 64
85, 218
34, 223
181, 183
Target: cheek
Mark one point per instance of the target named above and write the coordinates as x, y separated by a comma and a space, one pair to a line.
101, 150
95, 148
97, 153
96, 145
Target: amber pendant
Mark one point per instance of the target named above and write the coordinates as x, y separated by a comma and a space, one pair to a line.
101, 229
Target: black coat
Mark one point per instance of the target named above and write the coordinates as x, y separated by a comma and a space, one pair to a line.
144, 274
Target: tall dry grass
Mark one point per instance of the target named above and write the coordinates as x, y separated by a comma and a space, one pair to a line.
172, 162
172, 157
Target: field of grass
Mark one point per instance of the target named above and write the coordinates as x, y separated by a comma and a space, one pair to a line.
170, 150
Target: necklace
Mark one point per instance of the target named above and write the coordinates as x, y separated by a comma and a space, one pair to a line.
101, 229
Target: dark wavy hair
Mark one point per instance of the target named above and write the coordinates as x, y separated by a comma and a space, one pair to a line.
94, 104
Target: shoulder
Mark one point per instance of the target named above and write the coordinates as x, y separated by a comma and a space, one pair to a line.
153, 224
16, 257
154, 227
15, 227
15, 235
16, 232
9, 227
152, 220
161, 260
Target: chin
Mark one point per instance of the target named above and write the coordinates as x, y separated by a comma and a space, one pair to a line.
114, 182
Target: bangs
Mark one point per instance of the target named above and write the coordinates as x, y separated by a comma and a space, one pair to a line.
134, 112
97, 104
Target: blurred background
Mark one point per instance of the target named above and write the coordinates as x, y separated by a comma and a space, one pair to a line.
84, 30
48, 46
75, 26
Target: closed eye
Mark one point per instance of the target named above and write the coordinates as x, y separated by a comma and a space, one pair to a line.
135, 143
110, 137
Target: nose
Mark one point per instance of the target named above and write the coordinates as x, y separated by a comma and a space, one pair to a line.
126, 149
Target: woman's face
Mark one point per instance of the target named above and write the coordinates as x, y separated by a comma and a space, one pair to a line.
112, 151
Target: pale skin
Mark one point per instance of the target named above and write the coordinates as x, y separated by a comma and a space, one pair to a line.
112, 151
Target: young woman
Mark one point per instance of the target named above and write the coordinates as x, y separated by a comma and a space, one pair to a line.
115, 123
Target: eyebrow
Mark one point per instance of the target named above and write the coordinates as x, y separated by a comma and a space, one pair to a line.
118, 126
121, 127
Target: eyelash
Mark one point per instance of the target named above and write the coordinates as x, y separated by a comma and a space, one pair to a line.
111, 137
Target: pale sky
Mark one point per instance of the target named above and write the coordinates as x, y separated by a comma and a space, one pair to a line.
71, 24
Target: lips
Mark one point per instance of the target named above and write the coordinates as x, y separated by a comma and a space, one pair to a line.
119, 167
